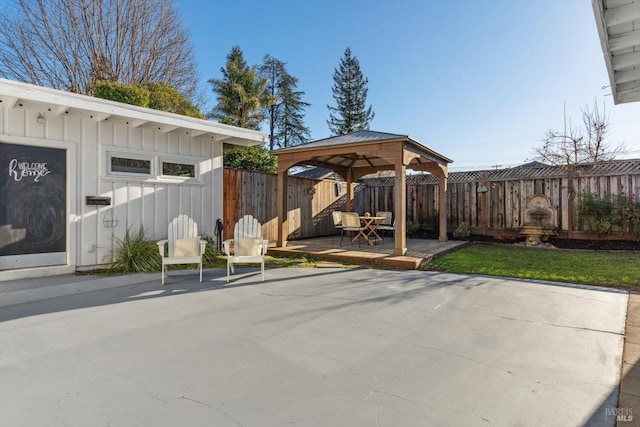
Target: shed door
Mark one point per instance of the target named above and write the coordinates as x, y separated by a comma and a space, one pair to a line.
33, 206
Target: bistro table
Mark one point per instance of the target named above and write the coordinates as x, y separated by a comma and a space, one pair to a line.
368, 232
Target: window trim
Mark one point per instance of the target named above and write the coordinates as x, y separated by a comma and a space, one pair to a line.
183, 161
133, 156
156, 160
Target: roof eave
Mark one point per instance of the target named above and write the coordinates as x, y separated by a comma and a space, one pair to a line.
436, 155
67, 101
598, 12
618, 26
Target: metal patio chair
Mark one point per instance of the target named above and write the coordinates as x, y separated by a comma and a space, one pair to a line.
336, 216
387, 224
351, 223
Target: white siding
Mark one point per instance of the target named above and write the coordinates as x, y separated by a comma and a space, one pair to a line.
137, 201
153, 202
89, 129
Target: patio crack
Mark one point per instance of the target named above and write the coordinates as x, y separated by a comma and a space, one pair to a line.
583, 328
424, 405
199, 402
499, 368
375, 390
325, 297
460, 356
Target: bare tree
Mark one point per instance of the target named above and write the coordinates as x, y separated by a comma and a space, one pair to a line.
72, 44
579, 145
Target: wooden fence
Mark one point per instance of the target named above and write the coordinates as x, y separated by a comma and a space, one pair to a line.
491, 202
310, 203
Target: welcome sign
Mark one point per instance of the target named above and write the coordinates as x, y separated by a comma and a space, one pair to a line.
33, 199
19, 170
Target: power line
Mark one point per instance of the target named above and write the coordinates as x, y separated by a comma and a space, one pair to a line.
505, 141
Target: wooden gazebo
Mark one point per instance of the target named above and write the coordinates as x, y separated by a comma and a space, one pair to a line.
360, 153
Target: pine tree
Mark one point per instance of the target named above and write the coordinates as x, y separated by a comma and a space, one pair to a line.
350, 92
241, 93
286, 115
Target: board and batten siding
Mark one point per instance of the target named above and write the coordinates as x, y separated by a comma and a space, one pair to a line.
152, 203
147, 201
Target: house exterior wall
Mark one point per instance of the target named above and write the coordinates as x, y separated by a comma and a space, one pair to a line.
137, 200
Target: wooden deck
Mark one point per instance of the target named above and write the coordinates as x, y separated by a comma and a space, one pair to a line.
420, 252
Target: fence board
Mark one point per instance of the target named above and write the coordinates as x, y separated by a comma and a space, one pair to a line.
500, 209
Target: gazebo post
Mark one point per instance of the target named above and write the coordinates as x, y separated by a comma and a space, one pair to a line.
349, 178
283, 223
400, 203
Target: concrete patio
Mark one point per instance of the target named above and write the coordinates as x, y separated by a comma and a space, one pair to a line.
420, 252
309, 347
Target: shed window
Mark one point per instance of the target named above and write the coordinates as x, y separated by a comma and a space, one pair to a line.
129, 165
179, 169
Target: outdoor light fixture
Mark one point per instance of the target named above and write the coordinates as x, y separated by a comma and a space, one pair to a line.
40, 118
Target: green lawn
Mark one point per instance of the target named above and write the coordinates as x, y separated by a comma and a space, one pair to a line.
619, 269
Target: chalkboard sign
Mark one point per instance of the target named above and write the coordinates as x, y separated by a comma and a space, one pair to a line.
33, 200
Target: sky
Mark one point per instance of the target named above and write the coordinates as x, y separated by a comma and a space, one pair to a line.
478, 81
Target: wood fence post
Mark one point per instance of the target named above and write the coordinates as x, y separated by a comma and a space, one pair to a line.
485, 212
571, 197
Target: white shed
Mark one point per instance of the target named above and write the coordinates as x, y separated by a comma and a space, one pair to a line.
77, 171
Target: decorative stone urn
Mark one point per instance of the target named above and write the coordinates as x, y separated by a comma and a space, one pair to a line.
540, 220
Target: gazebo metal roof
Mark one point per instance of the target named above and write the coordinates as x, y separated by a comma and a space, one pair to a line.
365, 150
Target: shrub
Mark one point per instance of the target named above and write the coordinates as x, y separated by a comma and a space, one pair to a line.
462, 231
156, 95
135, 254
211, 253
602, 214
597, 212
630, 213
128, 94
255, 158
412, 227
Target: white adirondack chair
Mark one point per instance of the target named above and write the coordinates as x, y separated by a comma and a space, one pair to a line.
248, 245
185, 246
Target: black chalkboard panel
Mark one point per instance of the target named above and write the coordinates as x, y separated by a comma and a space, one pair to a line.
33, 199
